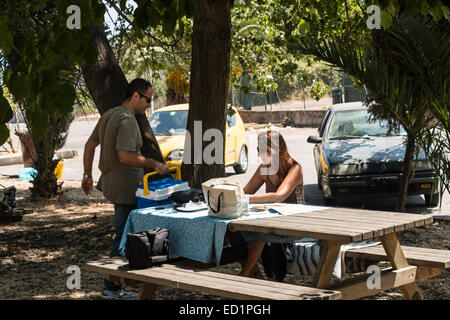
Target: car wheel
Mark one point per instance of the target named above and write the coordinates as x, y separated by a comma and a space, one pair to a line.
330, 201
242, 164
432, 200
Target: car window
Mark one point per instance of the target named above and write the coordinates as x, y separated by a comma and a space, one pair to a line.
231, 120
355, 123
169, 122
323, 123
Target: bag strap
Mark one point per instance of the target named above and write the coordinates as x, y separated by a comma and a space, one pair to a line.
218, 203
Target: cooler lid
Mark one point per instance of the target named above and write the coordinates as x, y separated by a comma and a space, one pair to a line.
161, 184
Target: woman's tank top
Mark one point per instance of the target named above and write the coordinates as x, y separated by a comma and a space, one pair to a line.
297, 196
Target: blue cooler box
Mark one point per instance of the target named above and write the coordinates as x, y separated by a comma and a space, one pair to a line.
160, 190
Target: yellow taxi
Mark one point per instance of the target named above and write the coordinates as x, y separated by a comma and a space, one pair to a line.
169, 127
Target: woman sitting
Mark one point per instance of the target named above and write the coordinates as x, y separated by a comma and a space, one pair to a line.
283, 178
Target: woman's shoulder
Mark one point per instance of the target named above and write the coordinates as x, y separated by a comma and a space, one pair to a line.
294, 165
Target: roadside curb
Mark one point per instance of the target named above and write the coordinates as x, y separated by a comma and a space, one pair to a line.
17, 159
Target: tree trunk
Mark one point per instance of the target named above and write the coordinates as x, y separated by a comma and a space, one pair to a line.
406, 176
39, 150
104, 79
106, 83
210, 69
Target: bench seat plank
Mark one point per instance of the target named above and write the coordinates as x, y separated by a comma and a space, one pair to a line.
224, 285
414, 255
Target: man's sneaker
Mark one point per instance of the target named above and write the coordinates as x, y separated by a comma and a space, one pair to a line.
119, 295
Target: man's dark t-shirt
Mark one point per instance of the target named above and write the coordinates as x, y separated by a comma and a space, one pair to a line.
118, 129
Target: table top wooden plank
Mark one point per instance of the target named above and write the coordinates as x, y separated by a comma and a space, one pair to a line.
264, 225
338, 224
388, 225
397, 216
294, 222
345, 221
379, 228
368, 215
324, 221
402, 222
366, 231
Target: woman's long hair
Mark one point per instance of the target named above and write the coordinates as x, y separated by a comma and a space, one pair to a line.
275, 142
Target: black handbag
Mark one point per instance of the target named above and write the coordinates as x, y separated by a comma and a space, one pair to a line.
147, 248
184, 196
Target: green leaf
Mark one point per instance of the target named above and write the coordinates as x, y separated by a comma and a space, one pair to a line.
437, 13
445, 12
384, 3
153, 16
425, 9
140, 18
19, 85
68, 42
8, 116
393, 8
6, 39
47, 79
386, 19
91, 54
4, 133
38, 120
189, 6
169, 23
43, 101
411, 5
303, 27
100, 10
65, 98
433, 3
6, 113
180, 27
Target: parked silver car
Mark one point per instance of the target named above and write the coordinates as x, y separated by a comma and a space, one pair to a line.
353, 155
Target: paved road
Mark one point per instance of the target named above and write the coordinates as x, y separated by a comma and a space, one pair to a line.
297, 146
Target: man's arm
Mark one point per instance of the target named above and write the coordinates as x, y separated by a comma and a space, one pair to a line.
134, 159
87, 184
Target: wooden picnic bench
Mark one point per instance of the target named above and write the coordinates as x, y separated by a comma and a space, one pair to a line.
208, 282
429, 262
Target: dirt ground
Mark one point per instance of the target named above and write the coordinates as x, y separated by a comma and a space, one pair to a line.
36, 252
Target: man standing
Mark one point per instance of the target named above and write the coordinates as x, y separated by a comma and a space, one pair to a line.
121, 164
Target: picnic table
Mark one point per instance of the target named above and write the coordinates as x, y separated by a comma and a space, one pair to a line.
333, 227
337, 226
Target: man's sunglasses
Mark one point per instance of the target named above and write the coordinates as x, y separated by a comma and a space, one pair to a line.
147, 99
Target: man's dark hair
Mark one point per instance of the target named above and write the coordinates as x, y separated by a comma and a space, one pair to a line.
137, 85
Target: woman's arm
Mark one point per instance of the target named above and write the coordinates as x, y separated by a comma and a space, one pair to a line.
293, 179
254, 183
